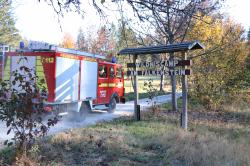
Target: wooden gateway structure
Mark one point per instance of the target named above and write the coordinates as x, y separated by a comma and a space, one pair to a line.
184, 48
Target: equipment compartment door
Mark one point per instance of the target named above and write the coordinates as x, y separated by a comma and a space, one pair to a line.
67, 79
88, 86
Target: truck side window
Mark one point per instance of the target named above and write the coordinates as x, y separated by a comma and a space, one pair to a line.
102, 71
6, 49
119, 72
112, 72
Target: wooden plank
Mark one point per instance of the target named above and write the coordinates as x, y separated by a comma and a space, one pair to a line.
159, 72
167, 63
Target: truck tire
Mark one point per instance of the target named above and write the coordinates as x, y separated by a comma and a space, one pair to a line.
112, 105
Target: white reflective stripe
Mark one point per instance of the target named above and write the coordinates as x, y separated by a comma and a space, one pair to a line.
59, 87
62, 93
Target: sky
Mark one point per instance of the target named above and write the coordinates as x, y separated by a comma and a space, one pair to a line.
239, 10
37, 21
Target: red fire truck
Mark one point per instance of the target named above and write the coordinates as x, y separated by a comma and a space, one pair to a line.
75, 80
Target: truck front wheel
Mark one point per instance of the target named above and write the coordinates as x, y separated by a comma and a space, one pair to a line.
112, 105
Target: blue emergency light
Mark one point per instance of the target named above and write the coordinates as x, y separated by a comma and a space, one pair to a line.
113, 60
21, 45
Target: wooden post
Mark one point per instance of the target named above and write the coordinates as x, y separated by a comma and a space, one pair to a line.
174, 99
136, 96
184, 116
138, 116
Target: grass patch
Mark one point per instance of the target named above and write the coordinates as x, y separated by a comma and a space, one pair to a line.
130, 96
141, 80
192, 104
213, 138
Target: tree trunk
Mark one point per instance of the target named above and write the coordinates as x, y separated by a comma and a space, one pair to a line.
173, 77
173, 85
162, 81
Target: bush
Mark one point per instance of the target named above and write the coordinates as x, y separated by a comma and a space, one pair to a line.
22, 108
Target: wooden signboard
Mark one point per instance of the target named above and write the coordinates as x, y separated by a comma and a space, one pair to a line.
166, 63
160, 64
170, 72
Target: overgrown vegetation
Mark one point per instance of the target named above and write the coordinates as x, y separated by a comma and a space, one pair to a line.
220, 74
213, 138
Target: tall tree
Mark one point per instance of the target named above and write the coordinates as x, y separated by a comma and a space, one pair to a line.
8, 32
126, 38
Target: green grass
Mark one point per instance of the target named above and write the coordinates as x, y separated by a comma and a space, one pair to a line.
143, 93
192, 104
213, 138
130, 96
156, 83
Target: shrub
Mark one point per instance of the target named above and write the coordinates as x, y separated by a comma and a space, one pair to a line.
22, 108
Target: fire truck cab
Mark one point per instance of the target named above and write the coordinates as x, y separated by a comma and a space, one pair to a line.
75, 80
110, 85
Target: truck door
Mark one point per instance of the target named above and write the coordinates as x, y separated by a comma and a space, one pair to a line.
119, 81
103, 83
115, 80
112, 81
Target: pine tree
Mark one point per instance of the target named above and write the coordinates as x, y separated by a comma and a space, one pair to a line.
8, 32
81, 42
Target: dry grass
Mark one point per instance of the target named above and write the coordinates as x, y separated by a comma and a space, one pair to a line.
24, 161
157, 140
190, 148
214, 138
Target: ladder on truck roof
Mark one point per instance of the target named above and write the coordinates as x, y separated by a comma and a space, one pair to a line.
43, 46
